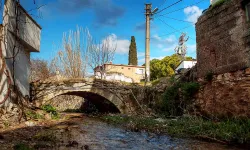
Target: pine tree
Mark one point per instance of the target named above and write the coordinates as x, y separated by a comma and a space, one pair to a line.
132, 60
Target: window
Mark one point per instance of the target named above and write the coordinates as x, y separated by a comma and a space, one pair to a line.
248, 11
122, 67
128, 68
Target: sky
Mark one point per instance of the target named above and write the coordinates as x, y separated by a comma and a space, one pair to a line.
119, 20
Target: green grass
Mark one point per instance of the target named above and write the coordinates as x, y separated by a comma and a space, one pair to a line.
231, 131
50, 109
33, 115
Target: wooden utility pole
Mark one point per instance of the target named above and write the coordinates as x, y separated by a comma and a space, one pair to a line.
147, 44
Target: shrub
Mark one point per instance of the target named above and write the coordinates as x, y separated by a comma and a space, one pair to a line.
209, 76
176, 98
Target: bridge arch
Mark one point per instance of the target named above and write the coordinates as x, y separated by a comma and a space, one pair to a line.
43, 92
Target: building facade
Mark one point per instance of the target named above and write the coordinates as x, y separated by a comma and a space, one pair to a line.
125, 73
20, 35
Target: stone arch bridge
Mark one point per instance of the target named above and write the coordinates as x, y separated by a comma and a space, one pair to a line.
92, 89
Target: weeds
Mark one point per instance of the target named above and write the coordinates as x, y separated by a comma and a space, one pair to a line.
209, 76
33, 115
50, 109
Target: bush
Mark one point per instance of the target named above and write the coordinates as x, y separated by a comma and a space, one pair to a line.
177, 97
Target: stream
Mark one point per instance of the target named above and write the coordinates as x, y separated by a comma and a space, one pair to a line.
97, 135
80, 132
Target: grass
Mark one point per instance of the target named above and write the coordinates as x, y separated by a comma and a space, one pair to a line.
33, 115
50, 109
231, 131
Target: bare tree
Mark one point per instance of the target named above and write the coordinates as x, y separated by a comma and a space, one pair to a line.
101, 54
72, 59
39, 70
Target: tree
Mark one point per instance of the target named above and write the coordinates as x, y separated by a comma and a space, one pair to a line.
132, 60
39, 70
101, 54
165, 67
72, 60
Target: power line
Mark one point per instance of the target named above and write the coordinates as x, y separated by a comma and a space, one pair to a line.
176, 30
182, 8
168, 6
178, 19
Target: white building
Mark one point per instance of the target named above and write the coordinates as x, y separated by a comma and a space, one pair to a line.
185, 65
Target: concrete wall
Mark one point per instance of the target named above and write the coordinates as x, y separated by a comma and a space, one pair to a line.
223, 41
29, 30
26, 41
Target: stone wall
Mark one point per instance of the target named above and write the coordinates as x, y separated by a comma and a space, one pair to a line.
223, 41
67, 102
226, 95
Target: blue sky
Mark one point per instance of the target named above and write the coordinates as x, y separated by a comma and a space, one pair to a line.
120, 19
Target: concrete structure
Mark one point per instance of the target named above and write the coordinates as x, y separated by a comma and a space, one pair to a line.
125, 73
21, 35
93, 90
223, 38
186, 65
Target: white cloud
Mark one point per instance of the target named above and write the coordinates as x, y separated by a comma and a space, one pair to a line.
192, 13
122, 45
164, 43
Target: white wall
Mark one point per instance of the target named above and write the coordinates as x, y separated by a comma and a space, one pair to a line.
186, 64
29, 31
189, 64
180, 66
114, 77
27, 41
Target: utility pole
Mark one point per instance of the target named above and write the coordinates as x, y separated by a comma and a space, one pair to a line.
147, 44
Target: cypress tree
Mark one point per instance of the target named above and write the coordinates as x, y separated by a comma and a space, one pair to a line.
132, 60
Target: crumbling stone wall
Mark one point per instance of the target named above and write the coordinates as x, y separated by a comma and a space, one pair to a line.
223, 39
227, 95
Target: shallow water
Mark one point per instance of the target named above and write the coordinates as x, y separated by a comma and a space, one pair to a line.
96, 135
80, 132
